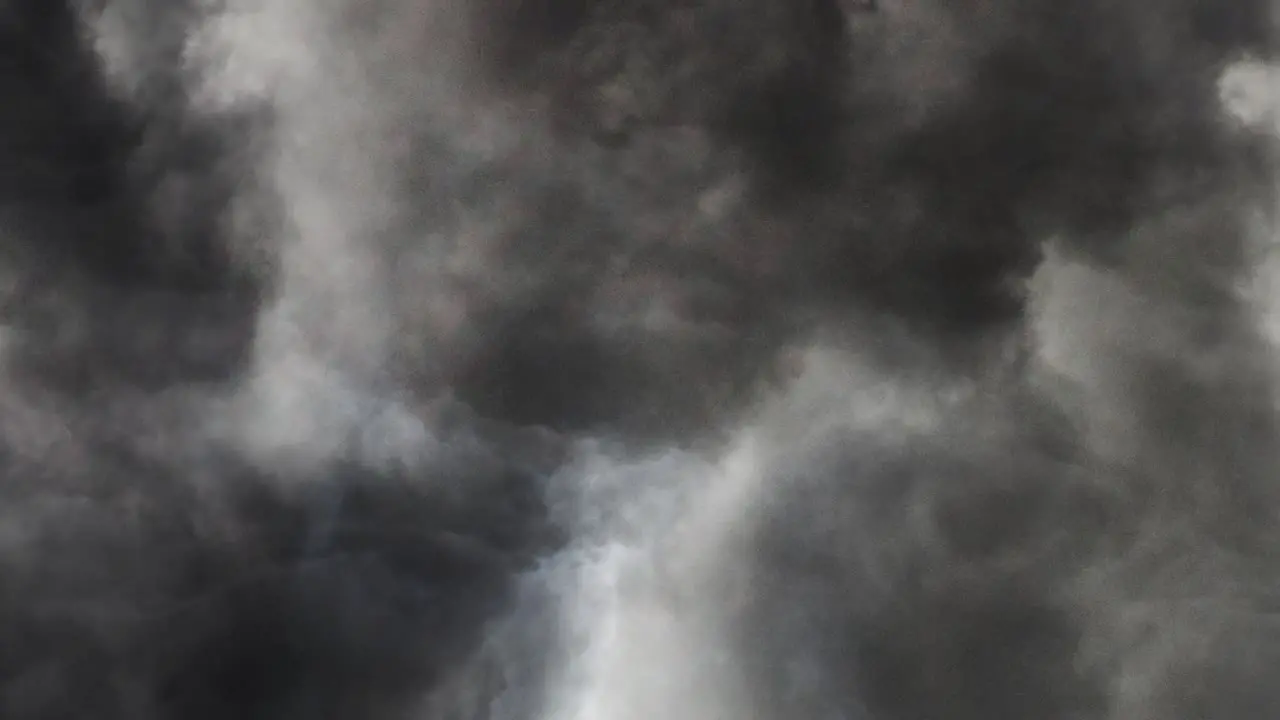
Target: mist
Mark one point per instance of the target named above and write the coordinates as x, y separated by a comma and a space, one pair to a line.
601, 360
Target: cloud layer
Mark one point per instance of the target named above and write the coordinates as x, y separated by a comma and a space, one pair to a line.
599, 360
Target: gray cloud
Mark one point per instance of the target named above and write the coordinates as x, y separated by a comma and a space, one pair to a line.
593, 360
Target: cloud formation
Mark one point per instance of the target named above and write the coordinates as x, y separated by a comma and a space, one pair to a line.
599, 360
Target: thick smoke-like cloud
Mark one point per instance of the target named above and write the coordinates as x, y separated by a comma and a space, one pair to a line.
601, 360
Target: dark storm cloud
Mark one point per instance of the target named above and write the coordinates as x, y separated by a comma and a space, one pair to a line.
319, 319
911, 161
